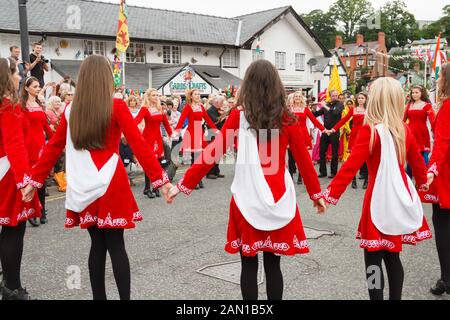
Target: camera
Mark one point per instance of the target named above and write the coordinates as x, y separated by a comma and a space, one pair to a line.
44, 60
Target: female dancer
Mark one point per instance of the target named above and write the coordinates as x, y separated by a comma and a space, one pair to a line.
301, 111
392, 213
263, 211
39, 128
417, 112
357, 115
153, 115
439, 170
193, 139
98, 196
14, 176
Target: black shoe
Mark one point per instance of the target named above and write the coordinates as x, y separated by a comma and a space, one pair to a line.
331, 176
220, 175
145, 192
440, 287
366, 183
354, 185
18, 294
44, 219
361, 178
201, 185
211, 176
197, 187
151, 194
321, 175
299, 180
34, 222
157, 193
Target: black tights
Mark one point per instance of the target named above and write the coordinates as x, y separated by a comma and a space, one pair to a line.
41, 196
375, 277
249, 277
110, 240
441, 223
11, 249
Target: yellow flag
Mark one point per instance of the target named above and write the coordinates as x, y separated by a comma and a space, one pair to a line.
123, 37
335, 81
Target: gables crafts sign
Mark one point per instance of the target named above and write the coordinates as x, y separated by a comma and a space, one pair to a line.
187, 79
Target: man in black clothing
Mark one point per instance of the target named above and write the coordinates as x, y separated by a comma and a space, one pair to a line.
214, 114
332, 112
21, 66
38, 64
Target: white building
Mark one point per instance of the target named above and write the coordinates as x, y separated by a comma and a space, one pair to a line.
163, 43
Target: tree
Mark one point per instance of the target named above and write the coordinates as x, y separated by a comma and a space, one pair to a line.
351, 14
323, 25
399, 24
442, 25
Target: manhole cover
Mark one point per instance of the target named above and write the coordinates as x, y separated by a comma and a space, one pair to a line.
312, 233
229, 271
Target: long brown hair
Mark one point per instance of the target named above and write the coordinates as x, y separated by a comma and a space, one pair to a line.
364, 94
444, 82
91, 111
189, 94
263, 97
7, 88
25, 95
423, 93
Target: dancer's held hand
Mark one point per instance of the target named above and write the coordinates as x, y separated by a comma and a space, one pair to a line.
173, 192
321, 206
430, 179
165, 191
28, 193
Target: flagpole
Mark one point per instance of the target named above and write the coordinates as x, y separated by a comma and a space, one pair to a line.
425, 76
124, 57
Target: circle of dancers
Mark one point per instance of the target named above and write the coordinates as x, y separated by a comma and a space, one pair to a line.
389, 143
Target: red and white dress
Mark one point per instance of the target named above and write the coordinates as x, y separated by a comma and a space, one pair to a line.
152, 130
98, 191
277, 234
439, 162
371, 238
418, 124
15, 166
358, 122
193, 139
38, 125
301, 114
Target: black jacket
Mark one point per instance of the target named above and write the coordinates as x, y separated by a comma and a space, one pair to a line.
332, 116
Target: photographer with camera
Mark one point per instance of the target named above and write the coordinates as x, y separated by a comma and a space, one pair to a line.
22, 66
38, 63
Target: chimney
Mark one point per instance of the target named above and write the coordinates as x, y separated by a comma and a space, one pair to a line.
339, 41
359, 39
381, 39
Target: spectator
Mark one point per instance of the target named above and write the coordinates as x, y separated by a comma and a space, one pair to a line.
66, 84
214, 112
23, 67
38, 63
66, 97
53, 111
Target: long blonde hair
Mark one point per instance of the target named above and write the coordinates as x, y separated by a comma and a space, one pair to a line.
92, 106
386, 106
302, 100
444, 82
147, 99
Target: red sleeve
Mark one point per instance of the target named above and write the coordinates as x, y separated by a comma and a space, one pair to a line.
184, 114
441, 139
212, 154
360, 153
141, 115
51, 153
141, 149
303, 160
405, 115
314, 120
415, 158
208, 119
431, 115
344, 120
167, 125
14, 144
48, 131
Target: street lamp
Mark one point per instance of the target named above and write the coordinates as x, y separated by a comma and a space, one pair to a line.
406, 64
23, 20
360, 61
372, 62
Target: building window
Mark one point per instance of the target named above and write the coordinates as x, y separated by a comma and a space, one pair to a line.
230, 58
358, 74
299, 62
94, 47
257, 55
136, 53
172, 54
280, 60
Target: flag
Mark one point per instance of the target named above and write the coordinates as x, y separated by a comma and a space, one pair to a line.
123, 37
335, 81
437, 59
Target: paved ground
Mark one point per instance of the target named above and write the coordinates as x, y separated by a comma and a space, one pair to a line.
173, 242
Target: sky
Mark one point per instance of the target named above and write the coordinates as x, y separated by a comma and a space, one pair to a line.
422, 9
